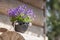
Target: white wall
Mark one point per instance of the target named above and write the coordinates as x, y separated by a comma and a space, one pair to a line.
35, 31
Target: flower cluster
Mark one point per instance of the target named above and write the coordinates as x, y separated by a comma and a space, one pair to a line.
21, 13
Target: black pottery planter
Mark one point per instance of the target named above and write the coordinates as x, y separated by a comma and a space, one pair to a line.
21, 27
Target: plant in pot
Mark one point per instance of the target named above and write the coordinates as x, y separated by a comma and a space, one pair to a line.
21, 17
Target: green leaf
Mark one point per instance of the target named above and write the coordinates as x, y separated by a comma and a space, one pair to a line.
27, 19
13, 19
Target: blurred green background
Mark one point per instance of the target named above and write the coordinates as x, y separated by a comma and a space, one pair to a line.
53, 19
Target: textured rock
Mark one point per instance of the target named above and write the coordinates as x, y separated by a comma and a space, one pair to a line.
11, 35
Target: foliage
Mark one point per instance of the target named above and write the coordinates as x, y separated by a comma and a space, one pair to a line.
53, 21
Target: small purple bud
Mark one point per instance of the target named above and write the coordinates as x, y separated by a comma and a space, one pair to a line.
24, 6
12, 12
21, 9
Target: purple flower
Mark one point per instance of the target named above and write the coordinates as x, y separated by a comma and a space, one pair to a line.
20, 9
24, 6
13, 12
29, 12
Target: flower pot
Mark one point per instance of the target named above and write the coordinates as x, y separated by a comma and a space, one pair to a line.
21, 27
